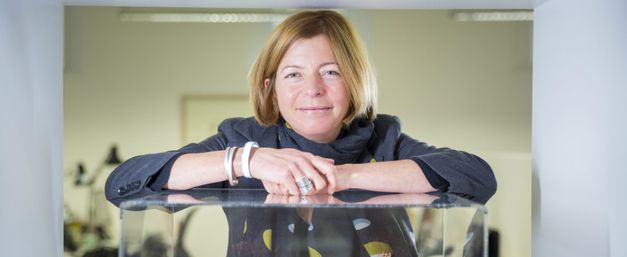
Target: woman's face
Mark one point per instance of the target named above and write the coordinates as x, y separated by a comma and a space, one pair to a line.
310, 90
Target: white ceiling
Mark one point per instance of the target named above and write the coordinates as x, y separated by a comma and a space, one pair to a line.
360, 4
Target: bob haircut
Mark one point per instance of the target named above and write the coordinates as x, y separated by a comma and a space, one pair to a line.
347, 48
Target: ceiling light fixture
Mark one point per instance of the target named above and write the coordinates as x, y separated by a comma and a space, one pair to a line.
488, 16
203, 17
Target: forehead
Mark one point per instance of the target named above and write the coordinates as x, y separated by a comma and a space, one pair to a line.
317, 48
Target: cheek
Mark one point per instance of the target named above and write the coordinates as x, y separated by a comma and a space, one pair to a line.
342, 98
284, 98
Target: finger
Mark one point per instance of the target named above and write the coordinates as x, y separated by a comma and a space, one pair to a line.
329, 170
272, 166
283, 190
313, 174
277, 189
267, 187
312, 156
274, 188
289, 177
270, 187
300, 166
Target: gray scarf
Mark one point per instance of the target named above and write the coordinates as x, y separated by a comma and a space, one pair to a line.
347, 148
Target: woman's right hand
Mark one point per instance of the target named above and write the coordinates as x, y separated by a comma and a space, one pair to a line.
278, 169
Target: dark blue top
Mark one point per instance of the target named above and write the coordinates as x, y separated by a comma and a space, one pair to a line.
447, 170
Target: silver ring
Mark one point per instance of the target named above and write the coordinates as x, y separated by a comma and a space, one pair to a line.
303, 182
306, 189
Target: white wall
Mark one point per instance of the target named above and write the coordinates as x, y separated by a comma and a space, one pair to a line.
579, 124
31, 136
124, 83
459, 84
466, 86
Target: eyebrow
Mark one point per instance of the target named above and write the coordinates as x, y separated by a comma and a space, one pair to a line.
291, 66
327, 63
301, 67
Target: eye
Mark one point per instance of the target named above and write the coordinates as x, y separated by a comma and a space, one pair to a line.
330, 73
291, 75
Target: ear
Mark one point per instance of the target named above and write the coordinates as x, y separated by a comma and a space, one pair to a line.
266, 83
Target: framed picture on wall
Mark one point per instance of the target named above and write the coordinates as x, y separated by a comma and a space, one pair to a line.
202, 114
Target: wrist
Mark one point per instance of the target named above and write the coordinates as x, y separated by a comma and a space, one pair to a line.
345, 177
237, 163
245, 159
238, 160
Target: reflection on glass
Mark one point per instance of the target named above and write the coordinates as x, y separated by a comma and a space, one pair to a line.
252, 223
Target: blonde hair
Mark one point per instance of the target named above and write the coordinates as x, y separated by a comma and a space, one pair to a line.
347, 49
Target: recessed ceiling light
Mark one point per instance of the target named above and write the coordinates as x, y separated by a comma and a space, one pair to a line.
203, 17
487, 16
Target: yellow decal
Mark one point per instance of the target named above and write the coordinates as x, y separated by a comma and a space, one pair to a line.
313, 252
375, 248
267, 238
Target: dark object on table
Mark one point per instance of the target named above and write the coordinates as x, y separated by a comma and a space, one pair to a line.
102, 252
494, 244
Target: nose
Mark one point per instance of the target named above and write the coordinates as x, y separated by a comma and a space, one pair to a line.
315, 87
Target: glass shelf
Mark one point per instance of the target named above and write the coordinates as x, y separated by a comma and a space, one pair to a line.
214, 222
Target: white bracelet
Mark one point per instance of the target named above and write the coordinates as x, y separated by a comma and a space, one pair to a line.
228, 165
246, 158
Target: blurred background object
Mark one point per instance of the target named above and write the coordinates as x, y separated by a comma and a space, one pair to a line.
92, 235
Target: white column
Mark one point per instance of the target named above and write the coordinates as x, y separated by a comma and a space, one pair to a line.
579, 128
31, 128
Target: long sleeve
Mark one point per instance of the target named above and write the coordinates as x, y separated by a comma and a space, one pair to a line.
467, 175
132, 178
145, 174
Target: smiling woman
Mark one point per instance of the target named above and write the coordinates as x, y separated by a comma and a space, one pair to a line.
310, 93
315, 130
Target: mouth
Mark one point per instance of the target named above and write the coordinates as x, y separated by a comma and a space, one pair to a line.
314, 108
315, 111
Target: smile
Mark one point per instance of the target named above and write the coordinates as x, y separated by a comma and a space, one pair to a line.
317, 111
314, 108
